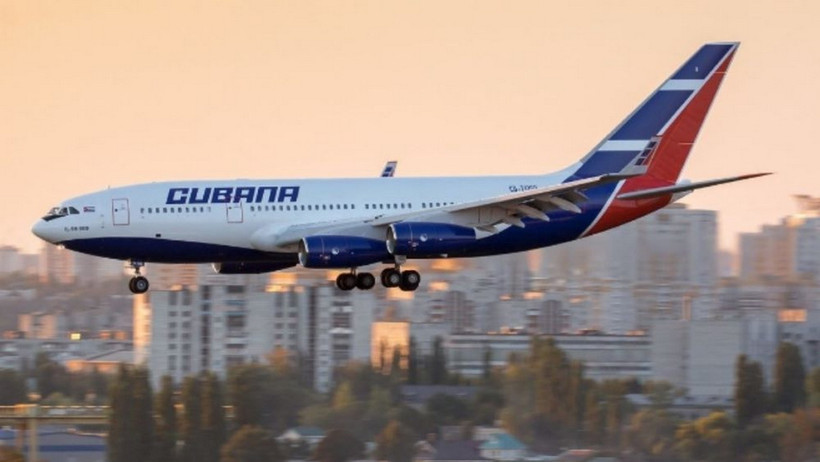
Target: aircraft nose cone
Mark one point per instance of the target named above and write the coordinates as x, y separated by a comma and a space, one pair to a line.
41, 230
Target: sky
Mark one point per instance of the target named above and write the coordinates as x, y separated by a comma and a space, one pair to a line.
99, 93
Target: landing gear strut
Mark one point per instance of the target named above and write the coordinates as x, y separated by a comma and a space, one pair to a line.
138, 284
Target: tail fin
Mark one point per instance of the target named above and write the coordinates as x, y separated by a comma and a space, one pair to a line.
658, 135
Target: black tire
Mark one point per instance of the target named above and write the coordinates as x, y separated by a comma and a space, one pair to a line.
139, 285
346, 281
391, 277
410, 280
365, 281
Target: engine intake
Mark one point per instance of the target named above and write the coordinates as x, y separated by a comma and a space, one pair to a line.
340, 251
427, 239
251, 267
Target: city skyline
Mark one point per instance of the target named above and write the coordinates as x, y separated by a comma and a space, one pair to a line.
93, 96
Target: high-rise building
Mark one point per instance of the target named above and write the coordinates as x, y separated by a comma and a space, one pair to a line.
662, 266
56, 265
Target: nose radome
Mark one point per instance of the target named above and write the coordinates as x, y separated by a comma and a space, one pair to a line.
40, 229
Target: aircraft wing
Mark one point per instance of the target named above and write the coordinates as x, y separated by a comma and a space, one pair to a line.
484, 214
511, 208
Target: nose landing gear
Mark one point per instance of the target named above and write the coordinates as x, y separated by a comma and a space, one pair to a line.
138, 284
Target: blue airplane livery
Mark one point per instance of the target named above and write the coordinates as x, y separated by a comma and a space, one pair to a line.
244, 226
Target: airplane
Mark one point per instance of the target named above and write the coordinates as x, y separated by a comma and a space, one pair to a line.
257, 226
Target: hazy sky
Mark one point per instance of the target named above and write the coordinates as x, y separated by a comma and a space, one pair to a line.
105, 93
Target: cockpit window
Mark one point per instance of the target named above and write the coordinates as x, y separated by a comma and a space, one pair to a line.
73, 211
58, 212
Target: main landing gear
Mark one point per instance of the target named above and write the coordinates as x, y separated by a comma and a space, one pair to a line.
407, 281
138, 284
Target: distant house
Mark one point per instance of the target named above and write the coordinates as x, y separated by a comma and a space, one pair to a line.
503, 446
297, 435
451, 451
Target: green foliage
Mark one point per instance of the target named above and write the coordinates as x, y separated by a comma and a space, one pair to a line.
813, 388
789, 378
438, 363
165, 439
131, 425
51, 376
213, 425
412, 363
395, 443
486, 406
338, 446
12, 388
262, 397
750, 394
447, 409
251, 444
651, 433
9, 454
191, 428
711, 438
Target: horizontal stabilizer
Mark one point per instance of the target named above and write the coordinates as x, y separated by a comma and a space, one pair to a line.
684, 187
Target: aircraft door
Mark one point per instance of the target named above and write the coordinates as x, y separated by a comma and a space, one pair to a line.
234, 212
120, 213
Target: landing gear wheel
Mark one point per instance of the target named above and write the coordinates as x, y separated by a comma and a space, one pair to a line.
138, 285
346, 281
391, 277
365, 281
410, 280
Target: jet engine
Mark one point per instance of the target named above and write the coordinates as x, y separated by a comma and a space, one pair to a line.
340, 251
422, 240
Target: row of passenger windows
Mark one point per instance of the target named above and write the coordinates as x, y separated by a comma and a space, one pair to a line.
380, 206
153, 210
288, 208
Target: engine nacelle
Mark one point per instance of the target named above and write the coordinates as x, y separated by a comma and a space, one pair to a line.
251, 267
340, 251
428, 239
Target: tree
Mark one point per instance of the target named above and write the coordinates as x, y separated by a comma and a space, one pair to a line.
438, 363
193, 446
130, 434
12, 388
709, 438
412, 363
165, 437
396, 443
651, 433
338, 446
813, 388
51, 376
143, 416
789, 378
9, 454
262, 397
212, 423
446, 409
750, 397
251, 444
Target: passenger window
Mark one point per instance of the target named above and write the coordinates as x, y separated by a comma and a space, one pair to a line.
188, 209
345, 206
142, 210
165, 210
179, 209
